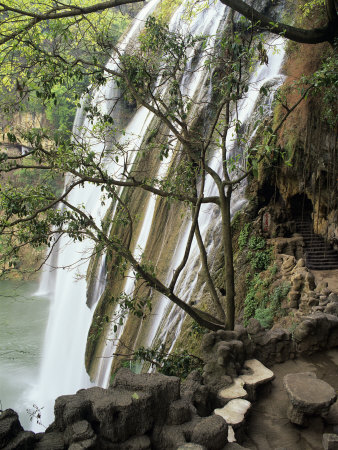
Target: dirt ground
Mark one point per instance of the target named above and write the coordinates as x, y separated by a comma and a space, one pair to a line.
268, 425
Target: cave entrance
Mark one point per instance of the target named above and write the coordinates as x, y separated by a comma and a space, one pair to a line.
301, 207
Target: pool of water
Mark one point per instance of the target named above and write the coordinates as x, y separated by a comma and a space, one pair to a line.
23, 318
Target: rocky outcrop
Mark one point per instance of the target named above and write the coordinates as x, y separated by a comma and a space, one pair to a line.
153, 411
225, 351
139, 412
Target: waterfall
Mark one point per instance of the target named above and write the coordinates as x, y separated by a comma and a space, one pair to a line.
62, 368
206, 22
168, 317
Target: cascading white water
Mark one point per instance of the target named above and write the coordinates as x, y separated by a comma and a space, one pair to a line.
205, 23
168, 316
62, 368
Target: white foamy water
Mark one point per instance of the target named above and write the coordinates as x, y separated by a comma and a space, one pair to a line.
169, 318
62, 367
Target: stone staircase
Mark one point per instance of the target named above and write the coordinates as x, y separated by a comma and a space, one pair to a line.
319, 255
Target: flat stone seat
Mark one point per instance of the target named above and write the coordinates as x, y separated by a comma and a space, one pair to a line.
234, 412
308, 396
235, 390
256, 375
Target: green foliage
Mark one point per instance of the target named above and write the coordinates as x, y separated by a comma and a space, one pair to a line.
174, 364
49, 59
197, 330
251, 302
256, 243
308, 7
265, 317
271, 306
261, 304
244, 236
258, 255
42, 69
325, 82
274, 269
235, 222
166, 9
260, 259
61, 110
135, 304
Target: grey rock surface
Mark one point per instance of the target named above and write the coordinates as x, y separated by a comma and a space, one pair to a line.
9, 426
330, 441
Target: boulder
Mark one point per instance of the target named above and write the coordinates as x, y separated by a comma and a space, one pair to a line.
330, 441
179, 412
122, 414
210, 432
23, 441
136, 443
162, 389
197, 394
234, 446
168, 437
69, 409
9, 426
273, 346
332, 308
333, 297
88, 444
79, 431
51, 441
332, 416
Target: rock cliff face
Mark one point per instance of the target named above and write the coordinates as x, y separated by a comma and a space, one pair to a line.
304, 189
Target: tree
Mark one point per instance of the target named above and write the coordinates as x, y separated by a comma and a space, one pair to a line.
18, 19
150, 75
314, 36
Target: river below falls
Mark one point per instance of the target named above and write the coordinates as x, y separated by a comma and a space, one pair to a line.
23, 318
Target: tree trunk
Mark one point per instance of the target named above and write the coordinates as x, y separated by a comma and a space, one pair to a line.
314, 36
228, 258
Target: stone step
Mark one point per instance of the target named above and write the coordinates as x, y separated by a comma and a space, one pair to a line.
319, 255
319, 261
313, 237
320, 258
305, 229
320, 248
322, 266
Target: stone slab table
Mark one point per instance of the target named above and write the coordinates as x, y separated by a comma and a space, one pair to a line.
308, 396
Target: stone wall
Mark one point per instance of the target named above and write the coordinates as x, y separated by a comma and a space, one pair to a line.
225, 351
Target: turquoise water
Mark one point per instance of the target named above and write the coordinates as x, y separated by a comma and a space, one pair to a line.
23, 318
